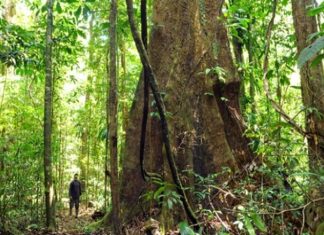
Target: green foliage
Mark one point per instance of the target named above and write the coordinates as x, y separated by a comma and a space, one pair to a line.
316, 10
165, 194
218, 71
310, 51
251, 220
281, 181
17, 45
185, 229
320, 229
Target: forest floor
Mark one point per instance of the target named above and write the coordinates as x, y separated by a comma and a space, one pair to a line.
69, 225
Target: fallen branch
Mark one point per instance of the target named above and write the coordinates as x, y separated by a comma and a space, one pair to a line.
216, 214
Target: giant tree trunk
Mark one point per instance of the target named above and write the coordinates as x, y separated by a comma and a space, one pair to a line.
312, 84
204, 115
49, 191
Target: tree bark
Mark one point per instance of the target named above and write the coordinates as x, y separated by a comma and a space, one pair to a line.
205, 130
48, 182
112, 104
84, 157
312, 85
123, 94
252, 79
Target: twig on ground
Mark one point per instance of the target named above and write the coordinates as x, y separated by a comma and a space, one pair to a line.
216, 214
279, 212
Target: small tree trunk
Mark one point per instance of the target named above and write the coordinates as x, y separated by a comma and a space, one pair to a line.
123, 94
312, 84
49, 191
61, 162
251, 63
112, 104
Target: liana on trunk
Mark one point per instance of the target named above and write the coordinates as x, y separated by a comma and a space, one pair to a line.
188, 45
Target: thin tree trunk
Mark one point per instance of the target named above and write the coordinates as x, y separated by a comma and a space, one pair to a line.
38, 194
49, 191
84, 157
123, 105
106, 177
251, 75
112, 122
312, 85
97, 166
62, 161
87, 187
59, 166
85, 148
83, 153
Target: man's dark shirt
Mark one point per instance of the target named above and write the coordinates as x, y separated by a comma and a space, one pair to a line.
75, 189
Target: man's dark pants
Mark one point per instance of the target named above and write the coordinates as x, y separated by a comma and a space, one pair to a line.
74, 202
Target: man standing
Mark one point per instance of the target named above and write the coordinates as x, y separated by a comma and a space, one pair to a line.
75, 193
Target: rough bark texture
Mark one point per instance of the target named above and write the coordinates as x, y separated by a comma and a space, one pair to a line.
49, 191
182, 47
312, 91
112, 104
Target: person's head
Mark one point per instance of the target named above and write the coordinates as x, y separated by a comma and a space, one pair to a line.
76, 176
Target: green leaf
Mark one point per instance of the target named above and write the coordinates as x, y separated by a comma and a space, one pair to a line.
209, 94
316, 10
310, 51
86, 11
44, 8
249, 225
317, 60
313, 36
320, 229
82, 34
77, 13
159, 192
185, 229
170, 203
257, 220
104, 25
59, 8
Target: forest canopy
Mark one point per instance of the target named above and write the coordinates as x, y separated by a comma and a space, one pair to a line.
161, 117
